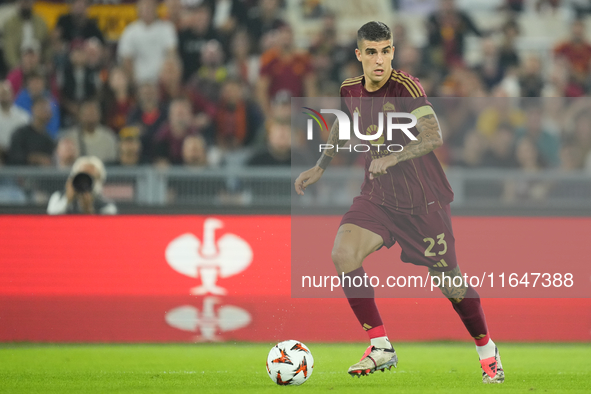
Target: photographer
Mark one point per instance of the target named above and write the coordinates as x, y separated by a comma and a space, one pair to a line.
83, 190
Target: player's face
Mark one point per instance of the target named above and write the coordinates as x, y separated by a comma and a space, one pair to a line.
376, 59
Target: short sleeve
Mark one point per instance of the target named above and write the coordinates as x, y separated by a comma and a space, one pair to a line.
266, 68
410, 89
268, 59
170, 36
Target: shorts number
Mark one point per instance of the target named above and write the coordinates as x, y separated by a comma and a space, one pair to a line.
440, 241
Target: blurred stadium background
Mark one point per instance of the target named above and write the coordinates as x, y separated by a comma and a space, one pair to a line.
191, 116
230, 68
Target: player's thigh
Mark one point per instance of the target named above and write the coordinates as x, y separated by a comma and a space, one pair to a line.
352, 245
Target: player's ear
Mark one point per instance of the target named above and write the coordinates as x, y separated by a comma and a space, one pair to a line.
358, 54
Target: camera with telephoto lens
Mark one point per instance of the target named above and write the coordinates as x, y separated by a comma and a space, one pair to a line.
82, 182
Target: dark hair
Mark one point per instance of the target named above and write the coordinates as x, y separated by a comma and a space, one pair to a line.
374, 31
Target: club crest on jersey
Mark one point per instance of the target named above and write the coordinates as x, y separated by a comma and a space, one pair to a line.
389, 107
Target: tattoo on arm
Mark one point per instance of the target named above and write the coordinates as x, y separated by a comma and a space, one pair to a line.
333, 139
446, 284
429, 139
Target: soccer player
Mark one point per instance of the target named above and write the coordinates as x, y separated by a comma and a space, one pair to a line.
405, 198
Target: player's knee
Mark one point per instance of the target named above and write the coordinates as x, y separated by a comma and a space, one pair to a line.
343, 258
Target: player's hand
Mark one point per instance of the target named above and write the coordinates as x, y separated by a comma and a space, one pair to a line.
307, 178
379, 166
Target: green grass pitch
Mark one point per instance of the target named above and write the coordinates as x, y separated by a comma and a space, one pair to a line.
240, 368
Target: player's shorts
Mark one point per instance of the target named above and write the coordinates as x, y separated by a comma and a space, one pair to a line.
425, 239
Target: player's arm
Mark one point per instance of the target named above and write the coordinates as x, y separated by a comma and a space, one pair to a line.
312, 175
428, 139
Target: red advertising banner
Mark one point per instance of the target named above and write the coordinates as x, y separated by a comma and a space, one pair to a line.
200, 278
145, 255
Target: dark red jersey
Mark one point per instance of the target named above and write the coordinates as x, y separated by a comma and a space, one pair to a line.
415, 186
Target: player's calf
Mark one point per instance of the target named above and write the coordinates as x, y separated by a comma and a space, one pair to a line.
466, 302
450, 283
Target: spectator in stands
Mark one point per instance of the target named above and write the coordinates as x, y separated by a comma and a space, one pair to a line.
96, 61
499, 110
489, 69
66, 152
278, 150
550, 6
571, 156
243, 64
238, 120
581, 133
77, 83
263, 19
577, 51
227, 16
531, 81
79, 201
501, 149
36, 88
22, 31
529, 160
473, 150
92, 137
461, 82
149, 115
193, 37
170, 81
514, 5
76, 26
547, 144
130, 146
171, 88
283, 68
11, 118
212, 74
447, 30
146, 42
175, 13
281, 108
410, 60
29, 64
168, 143
31, 144
508, 56
328, 54
400, 37
194, 151
117, 99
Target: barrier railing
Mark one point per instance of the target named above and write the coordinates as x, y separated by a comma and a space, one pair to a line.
272, 187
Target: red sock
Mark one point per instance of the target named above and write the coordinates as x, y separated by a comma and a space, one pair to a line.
472, 315
362, 301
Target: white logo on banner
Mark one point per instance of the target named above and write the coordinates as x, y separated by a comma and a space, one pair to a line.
208, 322
228, 256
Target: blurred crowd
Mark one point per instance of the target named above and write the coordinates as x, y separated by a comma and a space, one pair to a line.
209, 84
